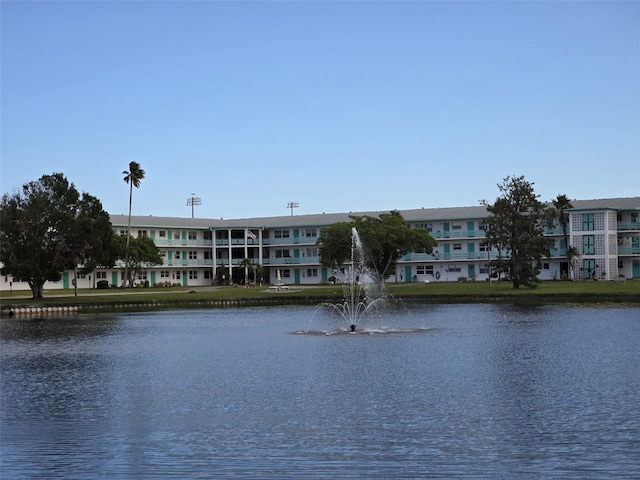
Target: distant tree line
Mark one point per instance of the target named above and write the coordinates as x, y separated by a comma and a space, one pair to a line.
49, 227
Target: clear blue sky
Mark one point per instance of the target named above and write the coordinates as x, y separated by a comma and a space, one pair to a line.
340, 106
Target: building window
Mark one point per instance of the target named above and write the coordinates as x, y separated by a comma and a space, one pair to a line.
177, 255
142, 233
162, 234
286, 273
588, 245
454, 268
193, 235
481, 225
208, 255
281, 234
101, 275
545, 266
208, 274
193, 274
312, 272
311, 252
123, 233
427, 226
193, 255
283, 254
208, 235
165, 274
176, 235
456, 226
484, 269
457, 246
424, 269
309, 232
587, 222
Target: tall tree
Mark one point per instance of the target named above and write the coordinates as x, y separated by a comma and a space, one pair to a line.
335, 244
90, 237
48, 228
133, 177
139, 253
516, 227
561, 204
385, 239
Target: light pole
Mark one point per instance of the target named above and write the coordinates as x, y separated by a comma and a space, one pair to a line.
292, 205
192, 201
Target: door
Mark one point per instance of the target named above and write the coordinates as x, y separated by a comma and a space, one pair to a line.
407, 273
471, 229
589, 269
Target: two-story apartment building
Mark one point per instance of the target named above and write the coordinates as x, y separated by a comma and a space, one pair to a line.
606, 233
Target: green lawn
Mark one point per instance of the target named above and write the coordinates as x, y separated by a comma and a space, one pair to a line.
546, 292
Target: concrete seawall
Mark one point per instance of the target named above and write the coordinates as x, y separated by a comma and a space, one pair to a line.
44, 310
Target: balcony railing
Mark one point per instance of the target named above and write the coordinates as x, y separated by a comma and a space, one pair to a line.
554, 230
629, 226
458, 234
431, 257
292, 261
168, 242
224, 262
290, 241
198, 262
222, 242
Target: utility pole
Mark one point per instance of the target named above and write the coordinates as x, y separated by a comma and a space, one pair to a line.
192, 201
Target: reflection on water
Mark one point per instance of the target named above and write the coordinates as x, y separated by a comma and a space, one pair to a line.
476, 391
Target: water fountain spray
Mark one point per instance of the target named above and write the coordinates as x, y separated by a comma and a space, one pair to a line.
355, 283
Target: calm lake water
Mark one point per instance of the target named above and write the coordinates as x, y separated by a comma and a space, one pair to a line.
431, 391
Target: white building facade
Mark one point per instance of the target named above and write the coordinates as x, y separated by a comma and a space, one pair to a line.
605, 232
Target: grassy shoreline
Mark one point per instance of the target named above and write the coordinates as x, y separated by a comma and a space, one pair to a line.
551, 292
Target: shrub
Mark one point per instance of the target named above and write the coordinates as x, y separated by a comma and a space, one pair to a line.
102, 284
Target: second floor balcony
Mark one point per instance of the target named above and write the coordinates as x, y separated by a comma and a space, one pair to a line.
628, 226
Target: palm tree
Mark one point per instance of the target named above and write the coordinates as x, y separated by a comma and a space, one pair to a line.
561, 205
248, 265
133, 177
